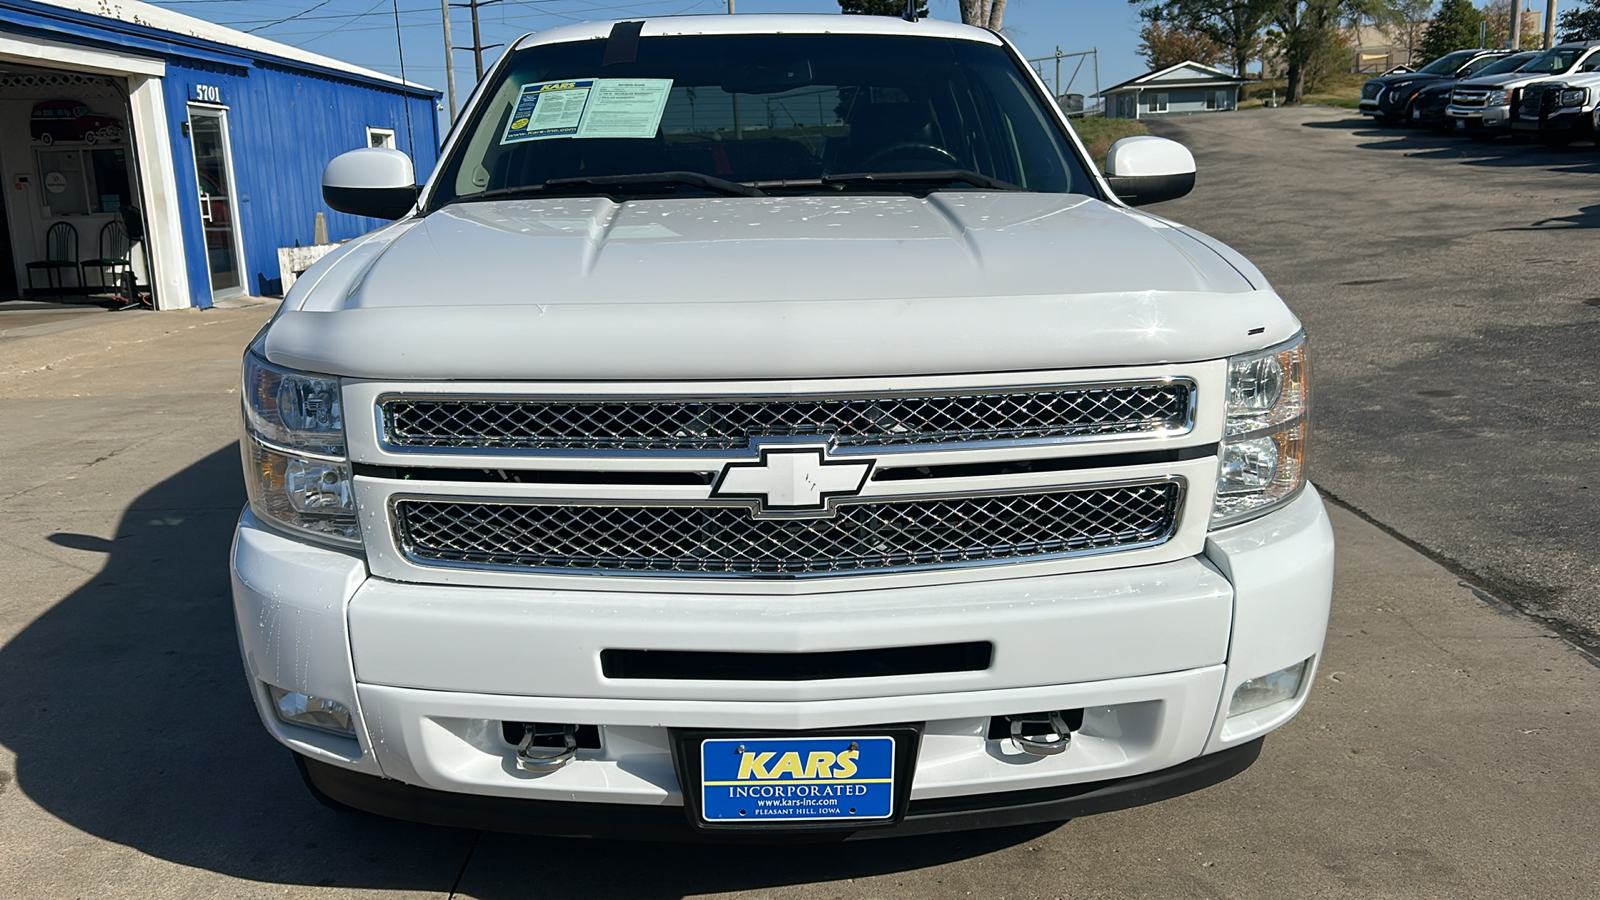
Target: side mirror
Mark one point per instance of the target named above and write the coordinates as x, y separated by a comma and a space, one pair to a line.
1148, 169
372, 181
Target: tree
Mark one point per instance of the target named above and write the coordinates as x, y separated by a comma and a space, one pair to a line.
1167, 45
1307, 33
881, 7
983, 13
1581, 23
1455, 27
1406, 20
1235, 25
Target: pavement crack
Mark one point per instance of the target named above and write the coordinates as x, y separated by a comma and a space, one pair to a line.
1496, 597
472, 848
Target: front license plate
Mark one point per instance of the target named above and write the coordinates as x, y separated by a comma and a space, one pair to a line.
1461, 125
797, 779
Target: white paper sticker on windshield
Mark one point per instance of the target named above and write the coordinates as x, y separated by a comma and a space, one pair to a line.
625, 108
550, 109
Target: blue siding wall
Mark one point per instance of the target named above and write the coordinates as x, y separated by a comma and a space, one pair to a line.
284, 125
285, 120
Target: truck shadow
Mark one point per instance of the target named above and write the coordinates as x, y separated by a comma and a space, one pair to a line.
1430, 144
127, 708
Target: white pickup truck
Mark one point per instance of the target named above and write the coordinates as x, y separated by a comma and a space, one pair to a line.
774, 426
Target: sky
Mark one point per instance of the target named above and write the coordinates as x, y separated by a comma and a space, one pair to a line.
363, 31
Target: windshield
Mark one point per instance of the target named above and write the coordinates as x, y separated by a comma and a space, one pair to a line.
1449, 62
1553, 62
1509, 64
782, 113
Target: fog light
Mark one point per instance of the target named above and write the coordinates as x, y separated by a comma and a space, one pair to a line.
308, 711
1258, 693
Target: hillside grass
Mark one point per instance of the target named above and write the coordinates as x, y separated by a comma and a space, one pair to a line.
1342, 89
1099, 133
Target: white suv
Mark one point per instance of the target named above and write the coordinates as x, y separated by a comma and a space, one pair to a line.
775, 426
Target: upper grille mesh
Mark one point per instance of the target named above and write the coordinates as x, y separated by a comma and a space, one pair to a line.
724, 541
727, 424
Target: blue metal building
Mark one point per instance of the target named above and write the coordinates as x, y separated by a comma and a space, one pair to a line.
214, 138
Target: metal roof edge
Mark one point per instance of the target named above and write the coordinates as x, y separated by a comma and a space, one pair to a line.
74, 25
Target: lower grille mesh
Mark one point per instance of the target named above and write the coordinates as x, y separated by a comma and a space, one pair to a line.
727, 541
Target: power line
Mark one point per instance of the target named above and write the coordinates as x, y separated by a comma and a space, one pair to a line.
287, 18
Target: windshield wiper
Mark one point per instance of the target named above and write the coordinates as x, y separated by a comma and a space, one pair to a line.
606, 184
930, 177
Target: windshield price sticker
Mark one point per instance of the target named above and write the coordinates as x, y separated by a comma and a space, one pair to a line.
588, 108
625, 108
789, 779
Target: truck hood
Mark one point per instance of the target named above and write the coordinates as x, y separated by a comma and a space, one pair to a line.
783, 287
1508, 80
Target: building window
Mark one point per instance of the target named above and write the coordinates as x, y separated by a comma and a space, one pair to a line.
380, 137
1213, 99
1158, 103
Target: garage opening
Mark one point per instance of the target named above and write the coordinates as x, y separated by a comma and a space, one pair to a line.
72, 225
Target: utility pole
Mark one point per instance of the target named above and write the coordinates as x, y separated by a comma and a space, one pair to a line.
1550, 25
478, 45
1516, 26
730, 7
449, 62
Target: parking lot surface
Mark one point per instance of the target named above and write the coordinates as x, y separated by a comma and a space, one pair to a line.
1452, 296
1446, 751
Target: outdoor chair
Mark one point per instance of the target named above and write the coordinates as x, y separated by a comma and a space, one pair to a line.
113, 257
60, 252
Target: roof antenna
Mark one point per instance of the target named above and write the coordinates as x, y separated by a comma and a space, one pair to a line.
910, 15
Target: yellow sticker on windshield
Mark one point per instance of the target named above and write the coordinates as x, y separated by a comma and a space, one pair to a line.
549, 109
588, 108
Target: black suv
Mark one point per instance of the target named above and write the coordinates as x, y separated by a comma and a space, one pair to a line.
1429, 106
1387, 98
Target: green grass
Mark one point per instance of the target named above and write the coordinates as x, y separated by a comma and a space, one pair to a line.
1342, 90
1099, 133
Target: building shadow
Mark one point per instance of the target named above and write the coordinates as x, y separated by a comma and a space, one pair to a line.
127, 708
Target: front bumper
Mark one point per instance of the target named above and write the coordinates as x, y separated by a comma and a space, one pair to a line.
1577, 122
398, 800
430, 671
1474, 118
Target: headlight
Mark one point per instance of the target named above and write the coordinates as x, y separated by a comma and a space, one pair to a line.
294, 453
1498, 98
1263, 450
1574, 97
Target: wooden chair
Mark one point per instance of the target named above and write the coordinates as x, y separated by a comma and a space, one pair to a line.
60, 252
113, 257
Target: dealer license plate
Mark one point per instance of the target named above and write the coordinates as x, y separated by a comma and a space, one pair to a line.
797, 779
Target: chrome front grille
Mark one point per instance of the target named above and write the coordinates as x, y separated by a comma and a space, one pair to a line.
1469, 99
718, 541
1139, 409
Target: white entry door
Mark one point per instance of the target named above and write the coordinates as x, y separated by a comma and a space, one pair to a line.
219, 209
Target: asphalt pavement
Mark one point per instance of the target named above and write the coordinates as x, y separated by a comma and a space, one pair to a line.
1451, 291
1445, 753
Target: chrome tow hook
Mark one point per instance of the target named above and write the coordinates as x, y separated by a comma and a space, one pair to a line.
1042, 734
546, 758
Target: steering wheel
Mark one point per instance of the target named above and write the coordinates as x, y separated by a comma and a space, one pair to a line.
911, 149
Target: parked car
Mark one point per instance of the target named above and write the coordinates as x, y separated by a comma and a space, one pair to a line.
1431, 105
69, 120
670, 472
1483, 107
1566, 109
1387, 98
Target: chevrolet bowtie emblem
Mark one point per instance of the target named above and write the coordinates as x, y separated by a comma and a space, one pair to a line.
793, 481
